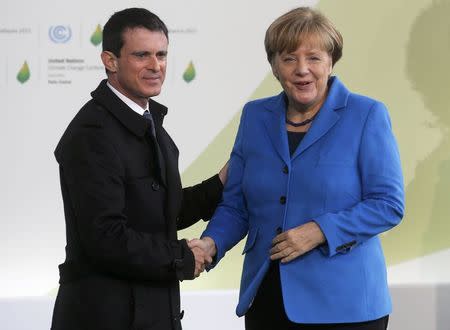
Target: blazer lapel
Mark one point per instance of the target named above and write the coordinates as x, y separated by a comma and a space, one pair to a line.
327, 116
324, 121
274, 121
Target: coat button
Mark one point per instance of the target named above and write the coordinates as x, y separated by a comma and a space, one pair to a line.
155, 186
283, 200
177, 264
285, 169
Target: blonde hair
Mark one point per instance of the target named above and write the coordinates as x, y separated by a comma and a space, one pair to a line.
288, 31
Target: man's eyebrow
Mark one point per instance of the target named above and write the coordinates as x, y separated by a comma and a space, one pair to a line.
146, 52
141, 52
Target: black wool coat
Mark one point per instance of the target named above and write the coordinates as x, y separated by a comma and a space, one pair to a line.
123, 258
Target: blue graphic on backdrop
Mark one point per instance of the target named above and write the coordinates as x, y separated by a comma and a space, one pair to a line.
59, 33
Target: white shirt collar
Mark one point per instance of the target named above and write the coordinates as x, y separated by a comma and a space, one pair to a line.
133, 105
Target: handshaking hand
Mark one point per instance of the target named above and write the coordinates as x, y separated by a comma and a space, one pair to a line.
204, 250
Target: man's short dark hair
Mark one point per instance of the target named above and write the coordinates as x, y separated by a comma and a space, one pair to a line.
129, 18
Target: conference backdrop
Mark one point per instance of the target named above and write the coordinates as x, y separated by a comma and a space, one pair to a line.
395, 51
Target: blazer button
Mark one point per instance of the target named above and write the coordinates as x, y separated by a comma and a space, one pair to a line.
279, 230
283, 200
155, 186
285, 169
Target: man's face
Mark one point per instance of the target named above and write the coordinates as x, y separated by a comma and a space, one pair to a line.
140, 70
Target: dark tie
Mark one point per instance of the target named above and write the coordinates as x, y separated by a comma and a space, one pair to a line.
158, 154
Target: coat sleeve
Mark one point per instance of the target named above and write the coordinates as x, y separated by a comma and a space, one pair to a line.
229, 223
200, 202
382, 202
93, 184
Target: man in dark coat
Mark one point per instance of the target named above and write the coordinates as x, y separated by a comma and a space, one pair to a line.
122, 193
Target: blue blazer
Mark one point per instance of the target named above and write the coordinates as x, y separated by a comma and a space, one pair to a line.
345, 175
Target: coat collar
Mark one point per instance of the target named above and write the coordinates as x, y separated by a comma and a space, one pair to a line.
326, 118
136, 124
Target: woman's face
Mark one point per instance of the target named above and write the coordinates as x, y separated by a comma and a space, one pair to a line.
303, 74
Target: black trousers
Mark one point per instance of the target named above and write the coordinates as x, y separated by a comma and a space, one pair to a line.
267, 311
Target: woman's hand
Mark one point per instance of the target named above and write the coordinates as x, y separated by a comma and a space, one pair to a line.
297, 241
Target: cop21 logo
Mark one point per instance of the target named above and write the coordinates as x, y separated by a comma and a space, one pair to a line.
59, 33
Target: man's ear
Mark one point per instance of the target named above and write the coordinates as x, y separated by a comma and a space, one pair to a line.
109, 61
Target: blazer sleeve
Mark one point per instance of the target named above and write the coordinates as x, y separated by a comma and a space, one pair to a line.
229, 223
200, 201
93, 180
382, 202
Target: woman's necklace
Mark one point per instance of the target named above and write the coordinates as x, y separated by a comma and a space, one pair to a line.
302, 123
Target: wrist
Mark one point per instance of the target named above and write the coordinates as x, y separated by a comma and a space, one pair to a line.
320, 237
210, 245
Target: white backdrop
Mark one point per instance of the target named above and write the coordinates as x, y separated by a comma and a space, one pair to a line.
223, 39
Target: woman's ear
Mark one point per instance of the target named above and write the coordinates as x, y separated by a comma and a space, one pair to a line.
109, 61
275, 72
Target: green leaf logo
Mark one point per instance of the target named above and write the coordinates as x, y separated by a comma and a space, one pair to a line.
24, 73
97, 36
189, 73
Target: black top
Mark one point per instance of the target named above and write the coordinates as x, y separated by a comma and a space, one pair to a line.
294, 139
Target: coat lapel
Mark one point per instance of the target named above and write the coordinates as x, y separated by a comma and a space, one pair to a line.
171, 173
161, 156
135, 123
274, 122
105, 97
158, 112
173, 181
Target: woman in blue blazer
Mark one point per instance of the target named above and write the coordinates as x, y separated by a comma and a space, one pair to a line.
314, 178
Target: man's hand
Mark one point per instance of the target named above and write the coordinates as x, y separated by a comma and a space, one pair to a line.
201, 260
297, 241
205, 248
